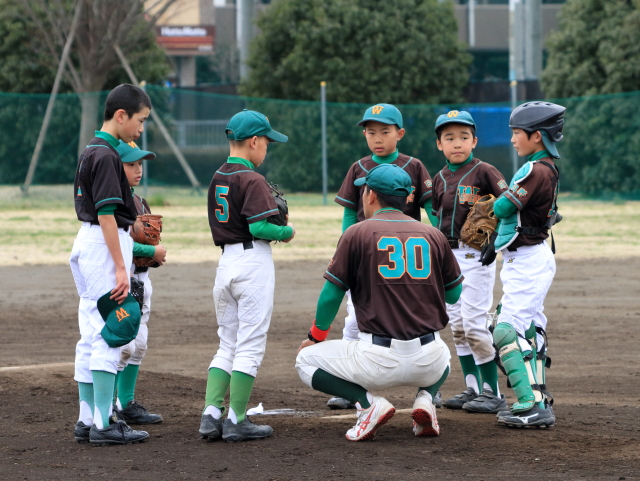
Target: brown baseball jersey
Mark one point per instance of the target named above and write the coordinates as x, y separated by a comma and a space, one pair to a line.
535, 197
350, 195
238, 196
455, 192
101, 180
398, 270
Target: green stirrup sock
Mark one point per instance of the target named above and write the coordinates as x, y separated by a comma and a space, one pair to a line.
434, 388
469, 367
489, 373
85, 390
329, 384
239, 393
103, 386
217, 385
126, 382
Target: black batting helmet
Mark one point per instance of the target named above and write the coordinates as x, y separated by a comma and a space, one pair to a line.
533, 116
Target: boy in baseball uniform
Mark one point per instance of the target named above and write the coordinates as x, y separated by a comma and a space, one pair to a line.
527, 211
462, 182
240, 204
100, 261
132, 354
397, 269
383, 128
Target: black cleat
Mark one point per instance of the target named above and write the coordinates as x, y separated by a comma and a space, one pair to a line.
459, 400
210, 427
437, 399
244, 431
487, 402
340, 403
81, 432
135, 413
116, 433
535, 417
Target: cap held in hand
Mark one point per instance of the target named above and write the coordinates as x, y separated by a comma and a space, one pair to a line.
122, 321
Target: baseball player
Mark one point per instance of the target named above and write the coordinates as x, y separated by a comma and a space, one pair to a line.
240, 205
383, 129
456, 188
397, 269
527, 211
100, 261
132, 354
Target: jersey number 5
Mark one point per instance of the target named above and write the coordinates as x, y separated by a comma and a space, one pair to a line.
412, 257
222, 214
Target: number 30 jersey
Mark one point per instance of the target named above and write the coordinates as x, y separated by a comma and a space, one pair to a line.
398, 270
238, 196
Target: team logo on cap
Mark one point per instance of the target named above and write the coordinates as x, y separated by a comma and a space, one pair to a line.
453, 113
121, 314
376, 109
132, 144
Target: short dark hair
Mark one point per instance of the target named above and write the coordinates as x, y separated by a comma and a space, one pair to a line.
386, 200
441, 128
127, 97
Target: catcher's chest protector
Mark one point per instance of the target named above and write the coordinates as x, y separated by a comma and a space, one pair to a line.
507, 228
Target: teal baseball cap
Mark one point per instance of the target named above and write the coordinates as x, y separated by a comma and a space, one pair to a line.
249, 123
130, 152
385, 113
454, 117
121, 321
387, 179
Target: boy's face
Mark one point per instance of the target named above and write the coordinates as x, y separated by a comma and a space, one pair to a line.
382, 139
130, 128
258, 150
133, 171
524, 144
456, 142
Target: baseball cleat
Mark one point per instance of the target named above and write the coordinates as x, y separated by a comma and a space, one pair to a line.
370, 419
425, 421
210, 427
81, 432
116, 433
135, 413
244, 431
437, 400
535, 417
459, 400
487, 402
340, 403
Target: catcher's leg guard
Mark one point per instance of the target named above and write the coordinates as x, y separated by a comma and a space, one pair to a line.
531, 364
506, 339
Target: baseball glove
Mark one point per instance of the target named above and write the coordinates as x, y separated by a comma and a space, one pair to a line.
146, 230
480, 224
283, 208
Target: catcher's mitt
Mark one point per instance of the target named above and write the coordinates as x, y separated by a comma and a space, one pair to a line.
146, 230
480, 224
283, 208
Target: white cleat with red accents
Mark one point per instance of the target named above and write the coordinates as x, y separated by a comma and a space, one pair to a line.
425, 421
369, 420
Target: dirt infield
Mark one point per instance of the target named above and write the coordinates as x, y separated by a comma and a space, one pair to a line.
594, 330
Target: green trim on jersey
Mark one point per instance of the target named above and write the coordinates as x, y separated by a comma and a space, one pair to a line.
101, 134
387, 159
452, 295
108, 209
240, 160
454, 167
267, 231
539, 155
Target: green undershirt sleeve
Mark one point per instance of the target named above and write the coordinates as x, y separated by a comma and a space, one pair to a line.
349, 218
428, 208
264, 230
328, 305
503, 207
143, 250
453, 295
108, 209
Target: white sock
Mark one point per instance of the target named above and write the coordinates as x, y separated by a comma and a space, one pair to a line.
213, 411
427, 394
86, 414
232, 416
369, 397
97, 418
486, 385
472, 382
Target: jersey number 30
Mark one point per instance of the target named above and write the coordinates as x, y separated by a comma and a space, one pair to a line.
222, 214
411, 257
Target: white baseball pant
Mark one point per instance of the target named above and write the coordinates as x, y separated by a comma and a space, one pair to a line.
351, 332
94, 273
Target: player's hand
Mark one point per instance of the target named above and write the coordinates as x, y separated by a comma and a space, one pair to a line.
160, 255
488, 253
292, 235
306, 343
121, 291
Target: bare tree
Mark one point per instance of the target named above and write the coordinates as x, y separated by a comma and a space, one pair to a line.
103, 24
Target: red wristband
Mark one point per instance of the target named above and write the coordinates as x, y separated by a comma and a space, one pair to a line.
318, 334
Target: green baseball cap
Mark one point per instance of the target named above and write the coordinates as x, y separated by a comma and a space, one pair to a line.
387, 179
131, 152
385, 113
249, 123
454, 117
121, 321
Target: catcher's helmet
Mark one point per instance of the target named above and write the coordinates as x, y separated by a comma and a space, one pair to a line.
533, 116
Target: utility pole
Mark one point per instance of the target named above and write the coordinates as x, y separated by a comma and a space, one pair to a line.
516, 59
323, 121
244, 32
